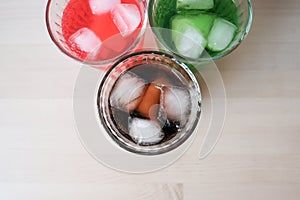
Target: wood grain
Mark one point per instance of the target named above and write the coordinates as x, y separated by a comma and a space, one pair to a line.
257, 157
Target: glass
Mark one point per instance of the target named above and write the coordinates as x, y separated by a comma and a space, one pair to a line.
175, 69
98, 51
237, 12
107, 150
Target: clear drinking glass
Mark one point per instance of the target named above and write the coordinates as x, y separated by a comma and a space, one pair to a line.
54, 20
171, 67
238, 12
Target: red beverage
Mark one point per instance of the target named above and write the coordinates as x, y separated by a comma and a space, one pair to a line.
101, 29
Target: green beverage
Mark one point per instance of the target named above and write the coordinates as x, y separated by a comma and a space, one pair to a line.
196, 29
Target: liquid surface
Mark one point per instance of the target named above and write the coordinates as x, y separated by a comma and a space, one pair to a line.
158, 111
227, 10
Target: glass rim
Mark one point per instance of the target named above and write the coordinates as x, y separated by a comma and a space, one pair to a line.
150, 150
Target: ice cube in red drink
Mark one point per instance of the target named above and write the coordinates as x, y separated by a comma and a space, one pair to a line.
85, 40
99, 7
126, 17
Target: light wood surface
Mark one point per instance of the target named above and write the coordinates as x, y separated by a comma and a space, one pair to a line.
257, 157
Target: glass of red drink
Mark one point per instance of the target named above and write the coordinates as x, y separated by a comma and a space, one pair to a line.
96, 31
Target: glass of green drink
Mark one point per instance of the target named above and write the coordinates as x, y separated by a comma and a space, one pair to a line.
200, 30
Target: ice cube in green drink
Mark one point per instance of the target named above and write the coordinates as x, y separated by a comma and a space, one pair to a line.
195, 4
189, 33
190, 42
221, 34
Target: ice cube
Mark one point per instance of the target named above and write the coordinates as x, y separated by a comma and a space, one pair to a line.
195, 4
145, 132
177, 104
99, 7
221, 34
200, 22
127, 93
85, 40
189, 33
126, 17
191, 43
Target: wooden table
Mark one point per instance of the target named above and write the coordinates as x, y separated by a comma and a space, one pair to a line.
257, 157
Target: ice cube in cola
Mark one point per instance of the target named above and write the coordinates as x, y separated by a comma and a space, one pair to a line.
176, 102
128, 92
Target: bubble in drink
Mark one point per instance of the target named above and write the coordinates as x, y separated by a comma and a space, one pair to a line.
99, 7
85, 40
126, 17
